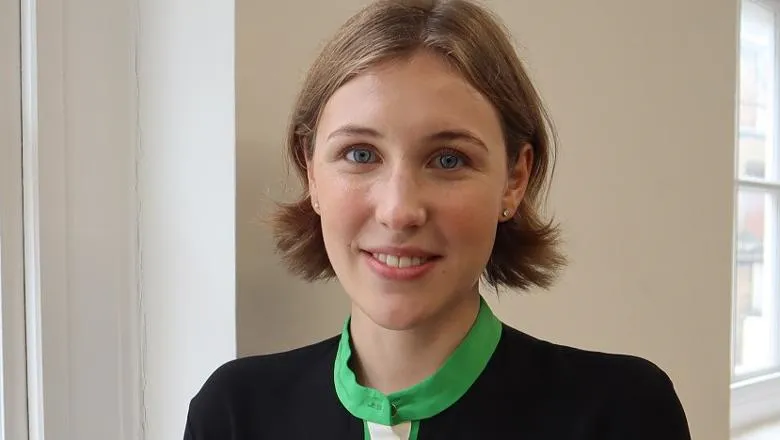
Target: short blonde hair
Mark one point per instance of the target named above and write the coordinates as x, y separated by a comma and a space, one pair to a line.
475, 43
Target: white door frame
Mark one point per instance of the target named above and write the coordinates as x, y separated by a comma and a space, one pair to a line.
80, 243
13, 387
129, 212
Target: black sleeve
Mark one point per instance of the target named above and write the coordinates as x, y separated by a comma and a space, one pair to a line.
209, 412
205, 425
261, 397
647, 407
189, 433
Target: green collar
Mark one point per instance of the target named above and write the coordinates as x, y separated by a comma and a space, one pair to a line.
429, 397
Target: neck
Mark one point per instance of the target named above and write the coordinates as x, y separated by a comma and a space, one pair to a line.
393, 360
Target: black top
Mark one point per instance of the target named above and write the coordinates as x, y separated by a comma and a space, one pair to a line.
530, 389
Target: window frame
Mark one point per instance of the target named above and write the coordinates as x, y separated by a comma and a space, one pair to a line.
86, 92
81, 291
755, 398
13, 386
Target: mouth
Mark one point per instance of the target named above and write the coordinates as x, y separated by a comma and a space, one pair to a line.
400, 264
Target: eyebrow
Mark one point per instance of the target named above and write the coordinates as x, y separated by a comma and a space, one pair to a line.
354, 130
444, 135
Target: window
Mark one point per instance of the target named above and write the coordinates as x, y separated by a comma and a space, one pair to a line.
755, 368
757, 307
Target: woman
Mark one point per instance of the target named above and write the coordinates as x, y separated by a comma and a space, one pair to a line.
426, 153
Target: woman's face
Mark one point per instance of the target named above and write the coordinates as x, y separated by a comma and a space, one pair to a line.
410, 177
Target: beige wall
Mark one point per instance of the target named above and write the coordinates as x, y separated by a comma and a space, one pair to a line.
643, 96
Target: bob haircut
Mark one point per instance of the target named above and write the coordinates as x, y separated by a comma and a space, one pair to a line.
475, 44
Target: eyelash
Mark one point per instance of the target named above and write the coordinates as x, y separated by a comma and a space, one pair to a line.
444, 152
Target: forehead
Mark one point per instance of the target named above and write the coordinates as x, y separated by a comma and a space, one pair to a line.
414, 95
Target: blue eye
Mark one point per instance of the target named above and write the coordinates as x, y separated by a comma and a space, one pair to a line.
360, 155
449, 161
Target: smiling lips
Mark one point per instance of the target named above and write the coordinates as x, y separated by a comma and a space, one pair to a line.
400, 264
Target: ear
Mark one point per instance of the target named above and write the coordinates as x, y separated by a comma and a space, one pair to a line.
517, 183
313, 196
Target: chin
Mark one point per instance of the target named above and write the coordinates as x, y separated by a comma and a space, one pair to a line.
398, 315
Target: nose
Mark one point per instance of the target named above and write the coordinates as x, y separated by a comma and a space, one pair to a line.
400, 202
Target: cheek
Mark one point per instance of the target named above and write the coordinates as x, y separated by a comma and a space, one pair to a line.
343, 208
470, 220
469, 228
469, 224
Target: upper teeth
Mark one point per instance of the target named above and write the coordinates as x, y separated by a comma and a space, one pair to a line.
396, 261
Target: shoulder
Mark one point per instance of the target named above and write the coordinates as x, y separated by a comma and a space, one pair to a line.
584, 367
627, 396
257, 384
575, 361
268, 371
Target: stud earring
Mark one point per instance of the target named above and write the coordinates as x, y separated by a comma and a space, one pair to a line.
506, 213
316, 206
